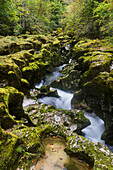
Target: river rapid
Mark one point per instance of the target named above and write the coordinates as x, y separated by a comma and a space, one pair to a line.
93, 131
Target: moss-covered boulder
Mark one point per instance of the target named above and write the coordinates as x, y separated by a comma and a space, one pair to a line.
30, 138
8, 153
11, 68
96, 155
95, 85
11, 102
6, 65
13, 44
22, 58
71, 121
11, 107
100, 89
43, 91
31, 147
98, 62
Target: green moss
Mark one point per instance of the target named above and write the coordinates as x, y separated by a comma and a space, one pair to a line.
11, 100
95, 155
56, 43
8, 153
32, 142
6, 65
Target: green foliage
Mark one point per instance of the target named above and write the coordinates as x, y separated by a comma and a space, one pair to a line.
56, 12
29, 16
91, 18
8, 17
19, 149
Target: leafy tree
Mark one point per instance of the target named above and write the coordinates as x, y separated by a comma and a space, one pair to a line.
91, 18
56, 8
8, 17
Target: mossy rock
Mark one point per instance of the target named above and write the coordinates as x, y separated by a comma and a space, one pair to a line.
14, 79
22, 58
5, 117
69, 121
42, 38
56, 43
97, 63
31, 139
11, 105
70, 80
28, 71
78, 52
78, 101
31, 146
8, 154
37, 45
44, 91
13, 44
7, 64
14, 47
96, 155
101, 89
26, 46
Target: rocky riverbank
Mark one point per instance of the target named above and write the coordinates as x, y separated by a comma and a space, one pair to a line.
25, 60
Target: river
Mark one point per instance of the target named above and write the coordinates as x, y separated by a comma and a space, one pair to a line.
92, 132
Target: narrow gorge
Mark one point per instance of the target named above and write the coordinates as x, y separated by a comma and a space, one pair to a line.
56, 102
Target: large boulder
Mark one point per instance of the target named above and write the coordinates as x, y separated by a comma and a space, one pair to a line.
96, 155
71, 121
96, 80
11, 107
8, 153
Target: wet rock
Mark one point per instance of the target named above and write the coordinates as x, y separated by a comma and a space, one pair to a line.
11, 107
70, 80
44, 91
96, 155
95, 86
60, 117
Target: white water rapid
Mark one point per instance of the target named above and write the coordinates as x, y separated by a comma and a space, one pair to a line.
51, 77
64, 101
92, 132
95, 130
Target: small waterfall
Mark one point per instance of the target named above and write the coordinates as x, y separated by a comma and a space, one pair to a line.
51, 76
95, 130
64, 101
92, 132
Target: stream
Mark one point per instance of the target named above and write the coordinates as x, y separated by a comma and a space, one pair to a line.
93, 132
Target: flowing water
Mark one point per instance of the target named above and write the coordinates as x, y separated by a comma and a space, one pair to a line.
92, 132
64, 101
56, 158
95, 130
51, 76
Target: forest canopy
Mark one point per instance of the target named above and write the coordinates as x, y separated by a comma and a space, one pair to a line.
91, 18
